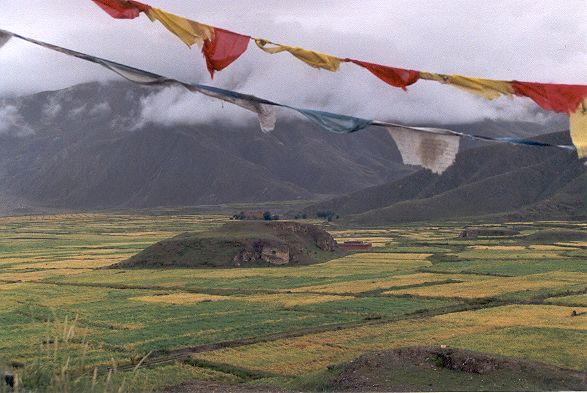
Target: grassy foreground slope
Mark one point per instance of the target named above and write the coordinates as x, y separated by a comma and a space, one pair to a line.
290, 327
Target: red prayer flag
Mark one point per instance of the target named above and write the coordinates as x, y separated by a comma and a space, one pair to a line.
397, 77
224, 48
122, 9
551, 96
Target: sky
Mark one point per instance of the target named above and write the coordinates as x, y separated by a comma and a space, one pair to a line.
544, 41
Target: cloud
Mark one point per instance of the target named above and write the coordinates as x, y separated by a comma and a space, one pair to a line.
100, 109
52, 108
8, 116
183, 107
522, 40
75, 112
12, 123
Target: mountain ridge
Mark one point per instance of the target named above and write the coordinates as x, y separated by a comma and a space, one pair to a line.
81, 148
489, 180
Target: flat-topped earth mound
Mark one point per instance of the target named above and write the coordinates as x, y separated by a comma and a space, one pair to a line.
446, 369
240, 244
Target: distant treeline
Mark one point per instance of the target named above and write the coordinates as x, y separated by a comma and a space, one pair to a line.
266, 215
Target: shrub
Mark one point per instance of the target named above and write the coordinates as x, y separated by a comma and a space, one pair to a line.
327, 214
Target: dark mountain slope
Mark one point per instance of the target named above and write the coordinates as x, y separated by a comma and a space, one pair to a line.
83, 152
569, 202
80, 148
487, 180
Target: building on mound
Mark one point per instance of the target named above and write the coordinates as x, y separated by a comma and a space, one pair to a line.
240, 244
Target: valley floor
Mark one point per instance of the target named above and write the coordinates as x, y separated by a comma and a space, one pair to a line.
66, 323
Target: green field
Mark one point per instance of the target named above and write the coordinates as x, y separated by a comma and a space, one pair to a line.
62, 315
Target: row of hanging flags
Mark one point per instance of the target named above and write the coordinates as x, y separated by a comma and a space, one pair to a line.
431, 148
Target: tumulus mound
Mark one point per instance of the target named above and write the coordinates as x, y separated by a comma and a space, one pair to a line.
423, 369
240, 244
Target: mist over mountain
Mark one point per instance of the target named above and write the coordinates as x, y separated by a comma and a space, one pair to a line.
92, 147
85, 148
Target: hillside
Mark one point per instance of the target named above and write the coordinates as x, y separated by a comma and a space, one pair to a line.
79, 149
495, 179
239, 244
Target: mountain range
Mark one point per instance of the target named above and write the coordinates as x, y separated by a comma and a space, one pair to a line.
86, 148
505, 181
79, 148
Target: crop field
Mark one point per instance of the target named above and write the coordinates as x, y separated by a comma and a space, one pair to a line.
280, 326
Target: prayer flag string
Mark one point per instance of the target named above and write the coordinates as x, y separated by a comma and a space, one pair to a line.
222, 47
549, 96
431, 148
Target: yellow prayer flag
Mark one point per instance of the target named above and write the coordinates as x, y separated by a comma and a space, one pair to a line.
313, 59
578, 125
188, 31
486, 88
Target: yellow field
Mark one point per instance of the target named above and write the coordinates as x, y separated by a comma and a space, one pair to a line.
360, 232
388, 261
17, 260
180, 298
359, 286
385, 257
313, 352
573, 244
498, 248
291, 300
300, 355
51, 269
19, 256
550, 247
36, 275
509, 254
375, 241
116, 244
86, 263
141, 234
284, 300
49, 218
520, 315
10, 286
496, 286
